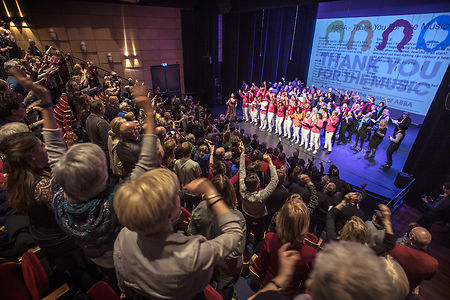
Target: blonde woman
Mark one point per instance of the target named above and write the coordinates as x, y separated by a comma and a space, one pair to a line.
113, 141
292, 223
150, 259
377, 138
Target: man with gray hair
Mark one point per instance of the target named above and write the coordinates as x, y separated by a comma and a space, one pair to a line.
12, 128
413, 257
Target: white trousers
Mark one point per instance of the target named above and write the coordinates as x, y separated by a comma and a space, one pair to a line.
287, 128
270, 120
296, 134
305, 137
263, 119
254, 115
315, 141
279, 125
328, 137
245, 113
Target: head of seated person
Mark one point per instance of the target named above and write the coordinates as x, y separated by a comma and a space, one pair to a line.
149, 204
354, 230
129, 131
12, 108
226, 189
82, 172
348, 270
292, 221
26, 158
12, 128
252, 182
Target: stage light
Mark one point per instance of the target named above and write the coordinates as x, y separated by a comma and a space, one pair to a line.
164, 64
6, 9
53, 34
109, 57
18, 7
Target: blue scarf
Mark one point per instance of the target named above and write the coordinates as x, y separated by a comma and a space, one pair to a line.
93, 223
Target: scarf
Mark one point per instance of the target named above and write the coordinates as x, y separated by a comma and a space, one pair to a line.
93, 223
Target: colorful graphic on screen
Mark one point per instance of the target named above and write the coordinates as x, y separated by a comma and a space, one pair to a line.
402, 58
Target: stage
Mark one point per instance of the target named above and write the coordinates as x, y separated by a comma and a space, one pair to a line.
354, 167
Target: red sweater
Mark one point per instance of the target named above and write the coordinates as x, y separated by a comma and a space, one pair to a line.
317, 126
266, 265
418, 264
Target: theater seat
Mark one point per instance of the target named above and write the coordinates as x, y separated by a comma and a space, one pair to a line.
211, 294
12, 285
102, 291
34, 276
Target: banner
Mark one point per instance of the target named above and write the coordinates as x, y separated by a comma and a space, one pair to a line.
402, 58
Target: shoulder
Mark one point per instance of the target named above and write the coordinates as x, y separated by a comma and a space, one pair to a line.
43, 190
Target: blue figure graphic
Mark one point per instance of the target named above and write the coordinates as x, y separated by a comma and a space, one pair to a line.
443, 21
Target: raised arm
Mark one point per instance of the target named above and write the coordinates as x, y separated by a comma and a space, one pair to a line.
56, 147
215, 250
265, 193
148, 158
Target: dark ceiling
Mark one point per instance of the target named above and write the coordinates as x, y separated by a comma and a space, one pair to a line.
224, 6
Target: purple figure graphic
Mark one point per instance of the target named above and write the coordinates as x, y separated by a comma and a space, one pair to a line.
407, 34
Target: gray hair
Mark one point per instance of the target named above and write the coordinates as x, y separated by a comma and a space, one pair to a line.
348, 270
10, 64
12, 128
398, 277
82, 172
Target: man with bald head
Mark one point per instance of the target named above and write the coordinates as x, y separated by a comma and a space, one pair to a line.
160, 132
413, 257
129, 148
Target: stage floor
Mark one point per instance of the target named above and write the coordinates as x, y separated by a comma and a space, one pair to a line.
354, 167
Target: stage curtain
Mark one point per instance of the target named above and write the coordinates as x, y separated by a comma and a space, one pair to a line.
257, 45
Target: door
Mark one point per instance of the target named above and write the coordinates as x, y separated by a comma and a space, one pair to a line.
167, 78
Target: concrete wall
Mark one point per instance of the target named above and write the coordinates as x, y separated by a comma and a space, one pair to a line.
154, 33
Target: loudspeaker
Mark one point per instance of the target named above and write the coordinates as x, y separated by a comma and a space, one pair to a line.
402, 180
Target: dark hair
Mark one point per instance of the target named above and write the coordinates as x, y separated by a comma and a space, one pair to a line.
251, 182
276, 152
9, 101
96, 106
186, 149
226, 189
269, 150
282, 156
21, 169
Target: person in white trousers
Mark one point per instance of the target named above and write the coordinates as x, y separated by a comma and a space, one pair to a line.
280, 118
296, 121
316, 127
254, 111
306, 129
272, 110
288, 122
245, 103
330, 129
263, 113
